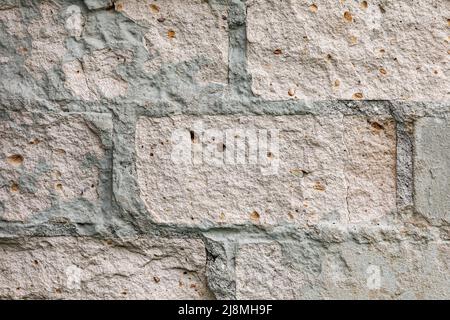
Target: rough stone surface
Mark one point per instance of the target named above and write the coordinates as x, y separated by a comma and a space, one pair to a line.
385, 270
176, 34
95, 76
83, 268
325, 168
105, 50
431, 169
372, 49
48, 160
98, 4
47, 45
101, 103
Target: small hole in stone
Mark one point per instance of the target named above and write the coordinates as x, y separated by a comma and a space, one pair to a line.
35, 141
15, 159
193, 136
154, 8
358, 95
118, 6
171, 34
377, 126
254, 216
221, 147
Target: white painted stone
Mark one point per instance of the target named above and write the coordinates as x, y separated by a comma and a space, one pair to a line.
87, 268
178, 34
323, 168
45, 161
371, 49
306, 270
431, 169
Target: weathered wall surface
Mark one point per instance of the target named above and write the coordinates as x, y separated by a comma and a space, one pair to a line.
224, 149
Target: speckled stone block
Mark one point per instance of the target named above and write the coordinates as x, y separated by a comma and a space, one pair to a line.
307, 270
86, 268
194, 32
50, 160
375, 49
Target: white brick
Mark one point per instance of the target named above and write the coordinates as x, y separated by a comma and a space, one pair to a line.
330, 168
431, 169
86, 268
47, 160
386, 270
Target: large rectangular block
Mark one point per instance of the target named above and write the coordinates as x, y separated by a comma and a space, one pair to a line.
306, 270
265, 170
86, 268
432, 169
50, 160
372, 49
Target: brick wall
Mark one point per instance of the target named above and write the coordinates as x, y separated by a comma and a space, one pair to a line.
226, 149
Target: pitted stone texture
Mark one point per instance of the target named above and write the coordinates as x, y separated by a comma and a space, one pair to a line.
307, 270
98, 4
11, 18
372, 49
47, 40
86, 268
431, 169
47, 160
194, 32
95, 75
330, 168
